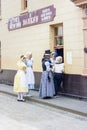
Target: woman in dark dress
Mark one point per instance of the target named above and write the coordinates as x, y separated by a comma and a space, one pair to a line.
46, 89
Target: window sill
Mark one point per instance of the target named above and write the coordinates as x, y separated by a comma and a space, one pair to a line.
24, 11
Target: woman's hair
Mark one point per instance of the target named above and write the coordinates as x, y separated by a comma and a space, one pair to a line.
22, 57
59, 59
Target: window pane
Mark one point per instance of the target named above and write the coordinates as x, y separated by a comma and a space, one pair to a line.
59, 41
58, 35
56, 31
60, 31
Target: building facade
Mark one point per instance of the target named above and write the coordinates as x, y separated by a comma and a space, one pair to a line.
35, 26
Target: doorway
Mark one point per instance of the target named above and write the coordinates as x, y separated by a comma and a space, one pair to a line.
57, 39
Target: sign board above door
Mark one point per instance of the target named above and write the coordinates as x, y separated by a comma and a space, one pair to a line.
39, 16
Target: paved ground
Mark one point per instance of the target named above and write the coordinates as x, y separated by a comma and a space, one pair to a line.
29, 115
61, 102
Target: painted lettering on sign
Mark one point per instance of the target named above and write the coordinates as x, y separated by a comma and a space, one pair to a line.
31, 20
46, 14
36, 17
14, 23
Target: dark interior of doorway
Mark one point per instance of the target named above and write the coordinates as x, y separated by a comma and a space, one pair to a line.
60, 52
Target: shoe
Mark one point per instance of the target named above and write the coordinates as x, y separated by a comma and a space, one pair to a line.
21, 100
55, 95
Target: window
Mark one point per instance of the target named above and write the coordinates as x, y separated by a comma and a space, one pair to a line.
58, 35
24, 4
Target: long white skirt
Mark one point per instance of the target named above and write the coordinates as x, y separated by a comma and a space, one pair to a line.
30, 78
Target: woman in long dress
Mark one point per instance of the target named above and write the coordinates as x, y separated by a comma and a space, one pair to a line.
46, 89
29, 72
20, 84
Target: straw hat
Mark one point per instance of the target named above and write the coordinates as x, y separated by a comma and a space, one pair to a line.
58, 59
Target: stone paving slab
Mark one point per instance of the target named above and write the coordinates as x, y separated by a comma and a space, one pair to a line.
60, 102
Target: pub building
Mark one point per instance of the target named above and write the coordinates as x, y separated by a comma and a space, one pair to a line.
36, 26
